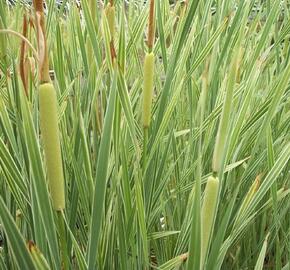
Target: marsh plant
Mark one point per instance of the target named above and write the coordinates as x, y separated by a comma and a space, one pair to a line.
144, 134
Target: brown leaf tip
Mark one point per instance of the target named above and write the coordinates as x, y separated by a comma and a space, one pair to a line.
30, 245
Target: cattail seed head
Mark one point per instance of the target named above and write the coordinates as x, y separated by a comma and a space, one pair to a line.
151, 32
51, 143
148, 88
208, 213
38, 5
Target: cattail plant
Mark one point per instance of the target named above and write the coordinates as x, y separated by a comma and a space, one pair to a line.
49, 128
49, 117
93, 188
148, 71
208, 214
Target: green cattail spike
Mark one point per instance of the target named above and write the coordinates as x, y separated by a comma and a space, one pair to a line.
208, 213
148, 88
51, 142
110, 14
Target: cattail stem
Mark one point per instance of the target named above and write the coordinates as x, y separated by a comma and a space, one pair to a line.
208, 214
63, 241
145, 142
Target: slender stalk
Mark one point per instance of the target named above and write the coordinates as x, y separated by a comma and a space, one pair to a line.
63, 240
145, 142
195, 245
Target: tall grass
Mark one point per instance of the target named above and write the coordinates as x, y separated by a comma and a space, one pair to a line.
139, 196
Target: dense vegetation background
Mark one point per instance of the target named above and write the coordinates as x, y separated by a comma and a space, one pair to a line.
135, 194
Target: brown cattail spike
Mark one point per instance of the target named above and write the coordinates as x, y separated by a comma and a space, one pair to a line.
38, 5
151, 32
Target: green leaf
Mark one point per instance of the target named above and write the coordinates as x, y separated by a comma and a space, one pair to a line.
101, 178
16, 241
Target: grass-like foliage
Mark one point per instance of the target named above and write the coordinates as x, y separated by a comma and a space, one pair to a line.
145, 134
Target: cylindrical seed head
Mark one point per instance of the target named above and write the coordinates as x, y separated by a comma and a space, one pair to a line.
208, 213
148, 89
51, 143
